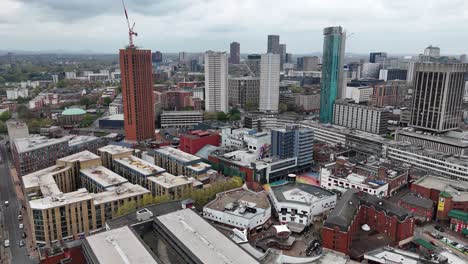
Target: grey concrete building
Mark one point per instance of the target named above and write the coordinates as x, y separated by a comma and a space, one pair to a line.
438, 96
244, 92
273, 44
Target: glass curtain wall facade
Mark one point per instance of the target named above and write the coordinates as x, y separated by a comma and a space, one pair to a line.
332, 71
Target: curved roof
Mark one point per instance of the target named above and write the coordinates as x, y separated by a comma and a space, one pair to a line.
73, 111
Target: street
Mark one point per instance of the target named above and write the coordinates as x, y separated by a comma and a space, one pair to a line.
10, 224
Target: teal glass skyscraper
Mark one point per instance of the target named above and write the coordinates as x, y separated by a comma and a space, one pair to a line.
332, 83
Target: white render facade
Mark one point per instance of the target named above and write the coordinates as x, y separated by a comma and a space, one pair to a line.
216, 82
269, 82
330, 182
300, 203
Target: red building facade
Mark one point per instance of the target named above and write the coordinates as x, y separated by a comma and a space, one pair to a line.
358, 208
193, 141
137, 93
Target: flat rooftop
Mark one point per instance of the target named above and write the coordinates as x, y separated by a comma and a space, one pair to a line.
233, 201
178, 154
103, 176
295, 192
60, 199
208, 244
36, 142
119, 117
123, 191
201, 166
119, 246
179, 113
168, 180
457, 142
114, 149
74, 140
140, 165
80, 156
457, 189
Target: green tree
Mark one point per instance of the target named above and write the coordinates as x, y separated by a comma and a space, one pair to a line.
296, 89
85, 101
283, 107
87, 121
210, 116
5, 116
107, 101
235, 117
221, 116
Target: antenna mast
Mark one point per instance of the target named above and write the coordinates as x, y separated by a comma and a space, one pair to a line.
131, 33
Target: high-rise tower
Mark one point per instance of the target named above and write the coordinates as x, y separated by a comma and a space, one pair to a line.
269, 82
332, 71
438, 96
216, 82
234, 54
137, 90
273, 44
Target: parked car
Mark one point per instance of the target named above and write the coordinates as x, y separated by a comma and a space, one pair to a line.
21, 243
20, 217
433, 243
21, 226
24, 235
6, 243
439, 228
7, 203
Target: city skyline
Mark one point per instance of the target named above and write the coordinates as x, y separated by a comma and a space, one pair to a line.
99, 26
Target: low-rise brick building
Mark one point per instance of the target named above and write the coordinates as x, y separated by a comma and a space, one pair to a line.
422, 208
364, 219
194, 140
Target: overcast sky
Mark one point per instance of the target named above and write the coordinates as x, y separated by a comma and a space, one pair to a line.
394, 26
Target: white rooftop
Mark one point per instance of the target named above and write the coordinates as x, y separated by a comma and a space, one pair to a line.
140, 165
168, 180
201, 166
80, 156
77, 139
60, 199
203, 240
177, 154
114, 149
103, 176
356, 178
36, 142
119, 246
123, 191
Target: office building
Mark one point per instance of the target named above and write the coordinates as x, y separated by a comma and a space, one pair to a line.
332, 71
308, 102
432, 51
293, 143
361, 94
16, 93
273, 44
181, 119
253, 63
183, 57
16, 129
393, 74
370, 70
377, 57
388, 94
244, 92
361, 117
438, 96
119, 245
344, 225
298, 205
234, 54
216, 82
156, 57
137, 94
241, 209
269, 82
282, 53
310, 63
289, 58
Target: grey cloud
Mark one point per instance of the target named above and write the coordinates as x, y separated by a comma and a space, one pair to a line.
75, 10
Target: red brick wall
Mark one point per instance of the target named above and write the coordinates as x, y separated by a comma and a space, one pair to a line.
419, 211
192, 145
336, 240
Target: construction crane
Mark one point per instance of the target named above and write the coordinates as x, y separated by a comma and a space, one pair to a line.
131, 33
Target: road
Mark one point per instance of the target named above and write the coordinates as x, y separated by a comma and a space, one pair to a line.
18, 254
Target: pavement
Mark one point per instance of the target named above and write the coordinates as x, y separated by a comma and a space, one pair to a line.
10, 223
424, 233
